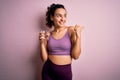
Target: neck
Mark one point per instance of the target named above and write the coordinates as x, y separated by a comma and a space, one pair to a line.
58, 29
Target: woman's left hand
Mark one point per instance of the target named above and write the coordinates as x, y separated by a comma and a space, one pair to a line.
78, 29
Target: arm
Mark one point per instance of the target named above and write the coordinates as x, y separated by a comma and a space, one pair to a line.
76, 48
76, 41
43, 49
43, 46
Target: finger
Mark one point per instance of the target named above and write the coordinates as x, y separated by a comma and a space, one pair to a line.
41, 38
80, 27
75, 28
41, 34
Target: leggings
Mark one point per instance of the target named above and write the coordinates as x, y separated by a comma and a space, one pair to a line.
53, 71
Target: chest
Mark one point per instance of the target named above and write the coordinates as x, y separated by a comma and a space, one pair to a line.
63, 43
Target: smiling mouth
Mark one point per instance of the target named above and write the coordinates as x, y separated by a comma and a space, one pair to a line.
62, 22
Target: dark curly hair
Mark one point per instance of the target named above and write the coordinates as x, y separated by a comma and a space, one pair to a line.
50, 12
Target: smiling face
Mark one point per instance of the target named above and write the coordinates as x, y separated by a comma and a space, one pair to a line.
59, 17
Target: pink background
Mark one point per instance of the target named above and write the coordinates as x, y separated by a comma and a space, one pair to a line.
21, 21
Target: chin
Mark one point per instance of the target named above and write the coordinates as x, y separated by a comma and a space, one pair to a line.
62, 25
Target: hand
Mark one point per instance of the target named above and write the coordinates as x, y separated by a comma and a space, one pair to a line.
78, 29
42, 35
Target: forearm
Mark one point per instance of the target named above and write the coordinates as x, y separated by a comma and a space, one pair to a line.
43, 52
76, 49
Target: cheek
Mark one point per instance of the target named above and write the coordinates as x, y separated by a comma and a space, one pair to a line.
65, 19
56, 20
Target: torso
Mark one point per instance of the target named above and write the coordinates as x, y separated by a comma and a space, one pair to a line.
60, 59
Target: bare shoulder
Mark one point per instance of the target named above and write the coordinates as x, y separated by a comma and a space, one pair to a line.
71, 30
71, 27
72, 33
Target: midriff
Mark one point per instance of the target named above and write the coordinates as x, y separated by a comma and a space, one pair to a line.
60, 59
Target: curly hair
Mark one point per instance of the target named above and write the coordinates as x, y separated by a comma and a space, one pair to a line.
50, 12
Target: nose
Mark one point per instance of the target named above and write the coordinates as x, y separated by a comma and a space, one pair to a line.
62, 18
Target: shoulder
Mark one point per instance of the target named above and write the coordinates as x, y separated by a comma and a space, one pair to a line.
71, 30
72, 33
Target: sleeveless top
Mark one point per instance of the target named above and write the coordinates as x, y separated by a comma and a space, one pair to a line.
60, 46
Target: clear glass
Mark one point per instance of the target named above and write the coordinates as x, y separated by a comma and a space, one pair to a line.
43, 34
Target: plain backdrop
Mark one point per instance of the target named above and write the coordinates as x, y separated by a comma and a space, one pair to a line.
21, 21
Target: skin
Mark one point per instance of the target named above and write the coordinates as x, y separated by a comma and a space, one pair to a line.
59, 31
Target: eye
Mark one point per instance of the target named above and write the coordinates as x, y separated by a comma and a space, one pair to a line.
58, 15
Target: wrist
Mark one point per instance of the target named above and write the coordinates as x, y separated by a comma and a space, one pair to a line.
78, 36
42, 45
42, 41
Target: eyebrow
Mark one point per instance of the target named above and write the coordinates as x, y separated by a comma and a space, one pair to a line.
60, 14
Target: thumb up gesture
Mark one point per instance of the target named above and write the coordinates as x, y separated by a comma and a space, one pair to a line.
78, 29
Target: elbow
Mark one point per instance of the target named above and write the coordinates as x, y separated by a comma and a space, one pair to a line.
44, 60
76, 56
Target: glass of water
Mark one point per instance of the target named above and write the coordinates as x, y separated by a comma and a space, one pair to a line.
43, 34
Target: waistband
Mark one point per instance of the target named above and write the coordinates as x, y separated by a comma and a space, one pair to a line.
49, 61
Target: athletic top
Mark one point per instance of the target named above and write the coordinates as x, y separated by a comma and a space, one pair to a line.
60, 46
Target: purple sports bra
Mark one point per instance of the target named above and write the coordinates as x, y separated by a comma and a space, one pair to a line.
60, 46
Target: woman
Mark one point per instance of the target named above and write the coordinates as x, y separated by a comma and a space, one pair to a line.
60, 45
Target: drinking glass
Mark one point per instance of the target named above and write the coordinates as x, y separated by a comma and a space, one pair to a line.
42, 34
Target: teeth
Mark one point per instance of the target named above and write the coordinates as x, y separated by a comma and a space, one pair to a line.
61, 22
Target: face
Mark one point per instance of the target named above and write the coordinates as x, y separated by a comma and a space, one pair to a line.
59, 17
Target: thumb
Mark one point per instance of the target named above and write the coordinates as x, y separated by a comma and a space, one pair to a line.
75, 27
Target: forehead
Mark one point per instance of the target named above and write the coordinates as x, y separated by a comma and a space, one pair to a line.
60, 11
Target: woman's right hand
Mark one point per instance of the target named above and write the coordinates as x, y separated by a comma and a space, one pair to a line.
42, 36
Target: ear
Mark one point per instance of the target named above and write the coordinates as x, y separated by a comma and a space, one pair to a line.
51, 17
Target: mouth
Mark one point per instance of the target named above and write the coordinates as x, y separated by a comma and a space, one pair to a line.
62, 23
